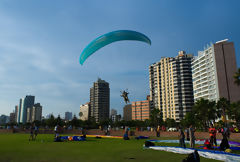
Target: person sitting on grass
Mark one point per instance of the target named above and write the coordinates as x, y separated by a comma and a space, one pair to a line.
193, 157
207, 145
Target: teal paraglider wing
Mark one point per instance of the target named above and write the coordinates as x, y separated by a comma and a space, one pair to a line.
110, 38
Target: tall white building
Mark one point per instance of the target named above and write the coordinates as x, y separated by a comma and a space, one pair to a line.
84, 111
205, 82
213, 71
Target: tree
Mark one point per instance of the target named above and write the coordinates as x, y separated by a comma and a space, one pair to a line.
90, 123
51, 121
204, 112
235, 112
80, 114
37, 123
223, 108
74, 122
156, 117
59, 121
170, 123
189, 119
105, 122
237, 77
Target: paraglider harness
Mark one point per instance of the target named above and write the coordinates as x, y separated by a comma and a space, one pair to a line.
193, 157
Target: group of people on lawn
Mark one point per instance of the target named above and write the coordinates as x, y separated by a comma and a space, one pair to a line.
190, 137
33, 132
209, 144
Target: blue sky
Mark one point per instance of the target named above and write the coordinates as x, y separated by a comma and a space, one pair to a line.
41, 41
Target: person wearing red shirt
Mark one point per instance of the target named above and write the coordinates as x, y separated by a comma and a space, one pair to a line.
213, 133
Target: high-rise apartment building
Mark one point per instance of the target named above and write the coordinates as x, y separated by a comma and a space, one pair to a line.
16, 113
25, 103
141, 110
21, 102
113, 112
213, 71
12, 117
29, 114
100, 100
114, 116
68, 116
127, 112
34, 113
171, 88
84, 111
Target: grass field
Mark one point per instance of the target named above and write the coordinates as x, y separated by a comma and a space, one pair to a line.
17, 148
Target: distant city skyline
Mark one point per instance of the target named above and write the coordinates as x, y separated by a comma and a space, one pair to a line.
41, 42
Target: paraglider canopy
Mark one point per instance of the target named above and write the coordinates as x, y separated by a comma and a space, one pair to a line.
110, 38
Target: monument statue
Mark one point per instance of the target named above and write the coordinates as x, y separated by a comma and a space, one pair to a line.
125, 96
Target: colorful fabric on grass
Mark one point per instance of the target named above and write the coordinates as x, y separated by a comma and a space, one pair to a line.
232, 148
142, 137
103, 136
72, 138
211, 154
198, 142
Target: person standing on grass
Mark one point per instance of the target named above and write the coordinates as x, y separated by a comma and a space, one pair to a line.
226, 133
187, 134
181, 138
35, 131
56, 130
213, 133
158, 131
192, 136
31, 133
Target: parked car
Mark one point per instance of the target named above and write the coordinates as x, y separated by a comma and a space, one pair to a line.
172, 129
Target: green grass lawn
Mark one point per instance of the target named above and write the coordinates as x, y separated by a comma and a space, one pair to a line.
16, 147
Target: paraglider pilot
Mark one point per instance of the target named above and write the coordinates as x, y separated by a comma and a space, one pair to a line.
125, 96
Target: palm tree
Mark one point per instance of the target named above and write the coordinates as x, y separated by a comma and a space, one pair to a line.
204, 111
223, 108
235, 112
237, 77
80, 114
189, 119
